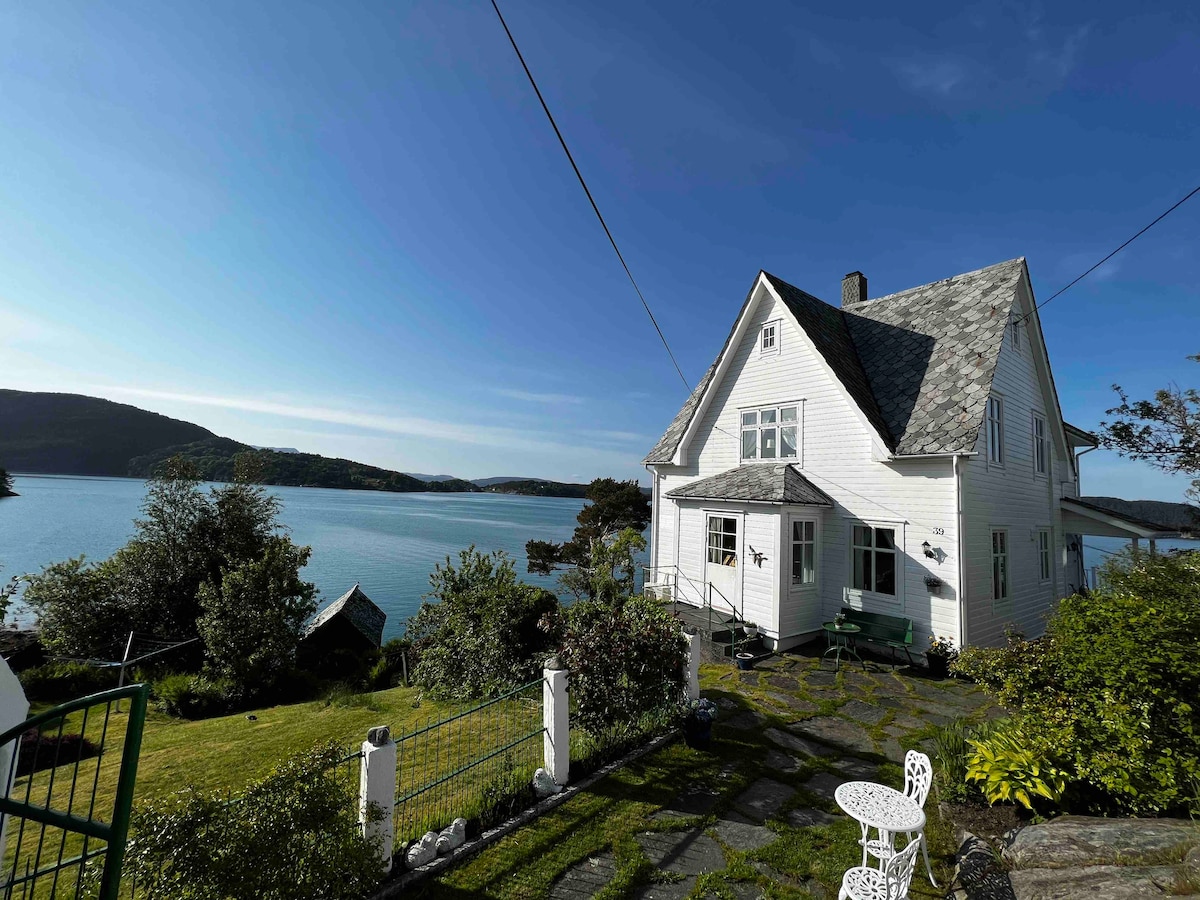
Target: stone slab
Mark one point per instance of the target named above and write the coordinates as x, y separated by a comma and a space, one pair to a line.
783, 682
585, 879
677, 890
795, 704
1093, 882
823, 784
807, 818
682, 853
833, 730
781, 762
1090, 841
749, 677
862, 712
696, 800
795, 742
857, 769
820, 678
763, 799
746, 720
741, 834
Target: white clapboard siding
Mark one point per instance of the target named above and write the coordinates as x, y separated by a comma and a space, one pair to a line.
836, 450
1015, 498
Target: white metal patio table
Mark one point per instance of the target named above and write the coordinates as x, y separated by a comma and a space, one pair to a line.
886, 810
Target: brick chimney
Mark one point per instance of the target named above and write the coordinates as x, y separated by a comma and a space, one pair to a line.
854, 288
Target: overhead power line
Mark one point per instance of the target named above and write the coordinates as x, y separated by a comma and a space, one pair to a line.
591, 199
1063, 290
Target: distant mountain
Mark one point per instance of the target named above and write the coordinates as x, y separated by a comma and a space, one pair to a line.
421, 477
77, 435
488, 482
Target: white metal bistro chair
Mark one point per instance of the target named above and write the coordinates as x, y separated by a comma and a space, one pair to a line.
889, 883
918, 776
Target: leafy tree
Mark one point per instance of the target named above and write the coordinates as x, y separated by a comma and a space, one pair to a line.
194, 556
477, 634
251, 622
1164, 431
1108, 695
597, 555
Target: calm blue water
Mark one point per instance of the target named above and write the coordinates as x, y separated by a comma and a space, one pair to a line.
387, 542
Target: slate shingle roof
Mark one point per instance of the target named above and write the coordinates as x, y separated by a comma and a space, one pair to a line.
1158, 515
919, 363
760, 482
358, 609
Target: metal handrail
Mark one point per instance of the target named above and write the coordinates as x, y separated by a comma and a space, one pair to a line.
739, 615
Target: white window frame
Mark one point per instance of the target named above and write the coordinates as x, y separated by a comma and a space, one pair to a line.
859, 594
1041, 445
812, 543
1014, 332
994, 431
1001, 570
724, 551
758, 425
1045, 552
775, 327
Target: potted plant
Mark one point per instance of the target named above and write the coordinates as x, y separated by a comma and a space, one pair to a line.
940, 654
745, 660
697, 723
933, 583
751, 630
840, 619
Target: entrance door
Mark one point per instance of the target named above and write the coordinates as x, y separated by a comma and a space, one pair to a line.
802, 611
722, 565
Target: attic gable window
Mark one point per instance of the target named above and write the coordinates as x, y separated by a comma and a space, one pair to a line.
768, 342
1014, 333
771, 433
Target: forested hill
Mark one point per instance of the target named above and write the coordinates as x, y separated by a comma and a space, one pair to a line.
77, 435
538, 488
214, 458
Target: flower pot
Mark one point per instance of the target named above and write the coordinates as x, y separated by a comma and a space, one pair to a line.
751, 632
697, 734
745, 660
939, 666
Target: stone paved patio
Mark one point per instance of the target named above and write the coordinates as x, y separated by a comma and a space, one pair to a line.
806, 729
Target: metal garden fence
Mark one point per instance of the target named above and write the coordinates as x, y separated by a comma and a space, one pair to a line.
476, 764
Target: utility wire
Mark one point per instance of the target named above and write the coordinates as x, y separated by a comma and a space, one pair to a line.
1192, 193
583, 184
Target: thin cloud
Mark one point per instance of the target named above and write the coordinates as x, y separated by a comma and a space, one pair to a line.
615, 435
535, 397
933, 76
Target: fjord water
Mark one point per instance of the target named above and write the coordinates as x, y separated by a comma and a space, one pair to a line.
389, 543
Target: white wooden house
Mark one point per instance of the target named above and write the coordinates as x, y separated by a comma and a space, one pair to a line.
904, 455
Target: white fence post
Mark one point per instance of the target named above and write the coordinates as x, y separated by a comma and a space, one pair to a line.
693, 663
14, 709
377, 788
556, 718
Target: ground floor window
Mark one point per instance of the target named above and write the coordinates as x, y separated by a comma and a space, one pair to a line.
804, 555
1043, 537
722, 541
999, 566
874, 559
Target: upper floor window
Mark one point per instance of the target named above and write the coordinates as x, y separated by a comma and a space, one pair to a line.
874, 553
995, 430
1040, 445
771, 433
769, 340
1014, 333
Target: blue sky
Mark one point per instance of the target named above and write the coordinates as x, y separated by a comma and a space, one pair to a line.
348, 228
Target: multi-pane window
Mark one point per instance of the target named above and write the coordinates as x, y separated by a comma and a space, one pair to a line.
1043, 539
771, 433
770, 338
874, 552
1039, 445
804, 558
995, 430
722, 541
999, 566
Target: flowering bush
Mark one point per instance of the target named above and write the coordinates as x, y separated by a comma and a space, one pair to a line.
702, 710
942, 646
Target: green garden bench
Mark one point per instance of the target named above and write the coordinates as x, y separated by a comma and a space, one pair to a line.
894, 632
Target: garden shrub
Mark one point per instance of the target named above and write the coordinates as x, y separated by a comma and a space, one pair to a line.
626, 660
292, 835
42, 750
193, 696
1010, 765
477, 635
951, 748
62, 681
1113, 686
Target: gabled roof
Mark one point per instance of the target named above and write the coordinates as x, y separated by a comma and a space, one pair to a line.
356, 608
756, 483
918, 364
1157, 515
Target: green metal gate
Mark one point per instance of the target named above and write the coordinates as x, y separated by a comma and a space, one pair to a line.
65, 819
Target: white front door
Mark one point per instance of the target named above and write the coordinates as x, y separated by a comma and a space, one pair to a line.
723, 560
800, 576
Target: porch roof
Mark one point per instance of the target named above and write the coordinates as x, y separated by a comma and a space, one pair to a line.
1114, 517
756, 483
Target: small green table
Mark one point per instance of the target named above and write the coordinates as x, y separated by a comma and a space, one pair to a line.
841, 640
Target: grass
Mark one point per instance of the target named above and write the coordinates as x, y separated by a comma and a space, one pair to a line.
607, 817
